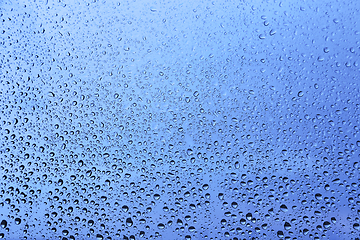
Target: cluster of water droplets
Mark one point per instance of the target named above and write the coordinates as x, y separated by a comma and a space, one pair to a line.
211, 120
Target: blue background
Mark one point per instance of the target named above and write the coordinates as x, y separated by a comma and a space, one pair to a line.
179, 119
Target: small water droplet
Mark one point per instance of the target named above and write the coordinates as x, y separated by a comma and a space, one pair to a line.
129, 222
3, 223
272, 32
17, 221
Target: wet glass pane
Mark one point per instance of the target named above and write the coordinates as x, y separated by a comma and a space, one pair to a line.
179, 119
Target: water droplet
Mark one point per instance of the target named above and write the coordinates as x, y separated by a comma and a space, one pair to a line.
283, 208
189, 152
17, 221
3, 224
287, 226
156, 196
129, 222
318, 196
326, 224
125, 208
221, 196
356, 226
161, 226
90, 223
262, 36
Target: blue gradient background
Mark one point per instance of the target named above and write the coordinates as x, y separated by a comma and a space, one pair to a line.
179, 119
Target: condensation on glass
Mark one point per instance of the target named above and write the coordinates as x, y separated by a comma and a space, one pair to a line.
179, 119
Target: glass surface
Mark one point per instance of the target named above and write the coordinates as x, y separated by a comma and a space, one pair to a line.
179, 119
